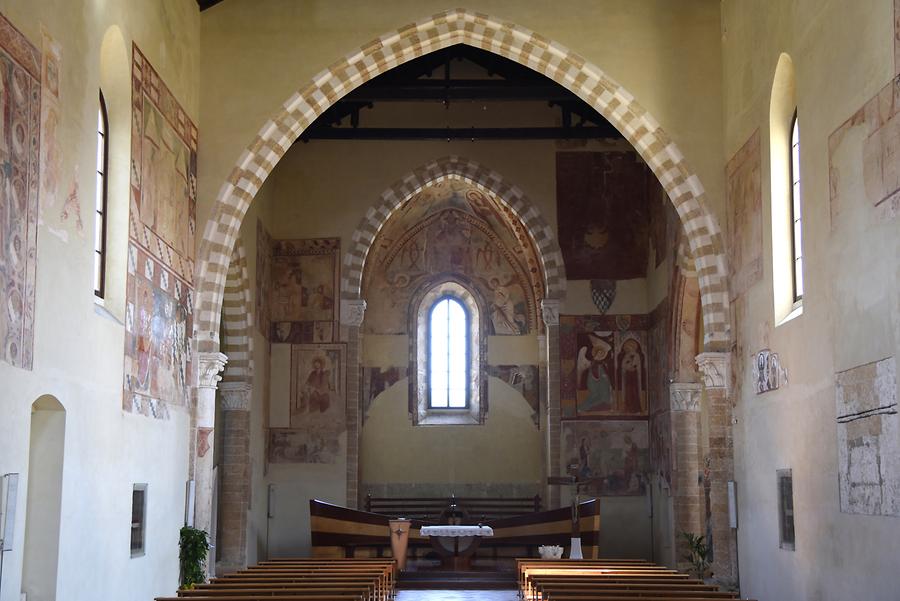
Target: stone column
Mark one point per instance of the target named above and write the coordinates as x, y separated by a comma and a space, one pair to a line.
231, 548
684, 404
352, 313
210, 366
716, 370
550, 312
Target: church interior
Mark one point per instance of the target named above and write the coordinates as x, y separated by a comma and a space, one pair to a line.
385, 299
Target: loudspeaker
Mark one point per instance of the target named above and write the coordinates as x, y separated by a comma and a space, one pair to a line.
732, 504
9, 492
190, 490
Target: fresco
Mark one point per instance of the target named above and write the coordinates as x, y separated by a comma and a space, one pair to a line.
868, 429
603, 365
159, 294
662, 445
862, 155
745, 229
263, 279
20, 135
613, 455
376, 380
453, 228
157, 336
603, 210
306, 444
303, 304
525, 379
318, 405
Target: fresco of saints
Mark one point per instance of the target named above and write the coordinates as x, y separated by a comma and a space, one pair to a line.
503, 313
632, 377
318, 389
595, 391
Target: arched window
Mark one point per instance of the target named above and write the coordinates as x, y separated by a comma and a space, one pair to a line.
448, 354
100, 203
796, 212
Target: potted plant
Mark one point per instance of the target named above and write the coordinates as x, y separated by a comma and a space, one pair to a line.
193, 549
698, 555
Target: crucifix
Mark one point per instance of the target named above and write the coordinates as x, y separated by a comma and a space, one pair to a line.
576, 484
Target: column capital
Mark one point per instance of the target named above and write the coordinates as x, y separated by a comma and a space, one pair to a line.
236, 396
353, 310
715, 367
685, 396
210, 365
550, 311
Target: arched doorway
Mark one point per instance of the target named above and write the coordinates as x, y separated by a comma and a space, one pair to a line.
44, 501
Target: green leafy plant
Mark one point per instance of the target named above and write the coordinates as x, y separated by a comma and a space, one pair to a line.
193, 548
698, 555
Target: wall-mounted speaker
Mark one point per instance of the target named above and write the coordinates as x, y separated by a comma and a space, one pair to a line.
732, 504
9, 493
190, 491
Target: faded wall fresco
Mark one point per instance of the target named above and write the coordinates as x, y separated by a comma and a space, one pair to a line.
745, 231
525, 379
613, 455
318, 406
263, 279
375, 380
303, 305
159, 295
862, 155
20, 134
453, 228
603, 211
603, 365
869, 439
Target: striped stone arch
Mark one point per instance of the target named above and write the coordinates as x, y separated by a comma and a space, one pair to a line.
454, 167
511, 41
237, 319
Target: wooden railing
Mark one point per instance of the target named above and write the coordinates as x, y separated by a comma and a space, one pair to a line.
471, 509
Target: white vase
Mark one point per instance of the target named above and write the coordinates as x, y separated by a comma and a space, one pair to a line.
575, 551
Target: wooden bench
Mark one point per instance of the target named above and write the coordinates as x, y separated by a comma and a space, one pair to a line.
301, 580
610, 580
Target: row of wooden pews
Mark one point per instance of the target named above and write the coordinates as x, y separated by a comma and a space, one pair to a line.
610, 580
301, 580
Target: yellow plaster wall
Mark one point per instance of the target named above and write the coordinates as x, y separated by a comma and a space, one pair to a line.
78, 349
842, 53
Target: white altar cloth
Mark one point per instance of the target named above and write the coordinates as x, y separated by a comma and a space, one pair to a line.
460, 531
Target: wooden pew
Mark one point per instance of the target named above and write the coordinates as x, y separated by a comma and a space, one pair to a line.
301, 580
610, 580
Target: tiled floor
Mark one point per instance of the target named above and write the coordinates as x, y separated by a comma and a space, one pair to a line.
457, 596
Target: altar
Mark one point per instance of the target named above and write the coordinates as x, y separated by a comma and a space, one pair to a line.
456, 544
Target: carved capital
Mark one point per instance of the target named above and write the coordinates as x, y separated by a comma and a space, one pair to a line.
715, 368
236, 396
684, 396
210, 365
352, 311
550, 311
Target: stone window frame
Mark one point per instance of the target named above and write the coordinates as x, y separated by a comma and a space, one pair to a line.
420, 310
784, 541
141, 523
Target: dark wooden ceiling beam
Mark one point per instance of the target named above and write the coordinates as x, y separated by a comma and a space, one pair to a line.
204, 4
459, 133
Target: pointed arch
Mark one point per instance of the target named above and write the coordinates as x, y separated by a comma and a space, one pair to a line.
237, 319
460, 26
454, 167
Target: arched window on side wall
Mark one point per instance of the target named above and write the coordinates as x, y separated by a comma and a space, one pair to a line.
448, 354
796, 212
100, 202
